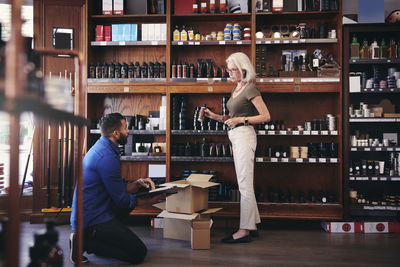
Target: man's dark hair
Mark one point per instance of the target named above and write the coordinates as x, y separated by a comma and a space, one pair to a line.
110, 122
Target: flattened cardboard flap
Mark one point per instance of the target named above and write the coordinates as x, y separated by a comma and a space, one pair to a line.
209, 211
160, 205
171, 215
196, 178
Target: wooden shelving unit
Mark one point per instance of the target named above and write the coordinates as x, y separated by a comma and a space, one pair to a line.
286, 98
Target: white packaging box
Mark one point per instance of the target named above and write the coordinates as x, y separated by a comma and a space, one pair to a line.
144, 32
354, 82
376, 227
163, 32
107, 7
118, 7
126, 32
134, 32
163, 118
157, 32
114, 32
150, 32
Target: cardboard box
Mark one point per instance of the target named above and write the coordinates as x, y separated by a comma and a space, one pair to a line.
118, 8
99, 33
361, 227
134, 33
189, 227
184, 6
145, 36
163, 28
114, 32
136, 7
150, 32
192, 194
107, 33
107, 7
200, 234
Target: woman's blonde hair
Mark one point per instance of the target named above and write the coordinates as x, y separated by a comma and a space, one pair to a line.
243, 63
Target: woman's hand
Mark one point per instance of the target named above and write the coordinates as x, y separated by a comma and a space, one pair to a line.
143, 182
232, 122
209, 114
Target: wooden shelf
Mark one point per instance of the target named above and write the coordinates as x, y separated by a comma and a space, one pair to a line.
315, 211
143, 158
296, 133
212, 16
131, 17
374, 149
211, 42
136, 132
377, 91
126, 88
128, 43
201, 159
198, 132
301, 13
377, 120
297, 160
374, 178
200, 80
375, 61
371, 210
297, 41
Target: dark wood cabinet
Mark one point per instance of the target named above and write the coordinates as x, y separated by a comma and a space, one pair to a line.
295, 100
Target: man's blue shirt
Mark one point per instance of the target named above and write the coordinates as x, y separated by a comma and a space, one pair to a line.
103, 186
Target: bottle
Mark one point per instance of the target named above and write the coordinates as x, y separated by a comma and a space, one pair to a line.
92, 70
111, 71
130, 70
124, 70
374, 50
191, 71
190, 34
212, 6
104, 70
143, 70
136, 70
179, 70
176, 33
354, 48
185, 70
99, 73
183, 35
117, 70
383, 49
392, 49
201, 113
173, 70
364, 51
157, 70
163, 69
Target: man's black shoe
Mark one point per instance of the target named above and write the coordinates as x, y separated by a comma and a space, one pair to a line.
231, 240
73, 250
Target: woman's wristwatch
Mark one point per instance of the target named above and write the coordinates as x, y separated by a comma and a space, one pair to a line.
246, 121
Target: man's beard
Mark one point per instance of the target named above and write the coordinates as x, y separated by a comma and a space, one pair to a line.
122, 140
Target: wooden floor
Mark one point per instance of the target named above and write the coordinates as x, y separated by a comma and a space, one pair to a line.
279, 244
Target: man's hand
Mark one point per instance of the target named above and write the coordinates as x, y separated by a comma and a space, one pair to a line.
142, 182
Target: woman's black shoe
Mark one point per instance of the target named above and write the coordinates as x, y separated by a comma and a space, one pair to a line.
231, 240
254, 233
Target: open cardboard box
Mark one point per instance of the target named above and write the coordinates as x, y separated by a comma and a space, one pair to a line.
192, 194
190, 227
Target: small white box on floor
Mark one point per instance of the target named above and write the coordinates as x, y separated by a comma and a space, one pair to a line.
341, 227
376, 227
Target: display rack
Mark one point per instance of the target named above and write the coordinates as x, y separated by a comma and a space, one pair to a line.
284, 96
368, 193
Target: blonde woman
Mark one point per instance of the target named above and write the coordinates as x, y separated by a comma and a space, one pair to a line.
246, 108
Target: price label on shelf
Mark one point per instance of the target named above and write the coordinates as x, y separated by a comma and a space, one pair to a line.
126, 89
378, 149
210, 89
271, 132
258, 42
295, 41
190, 43
239, 42
353, 149
196, 43
352, 178
267, 42
389, 149
259, 159
296, 132
285, 41
334, 160
261, 132
221, 42
277, 42
302, 40
374, 178
261, 80
397, 148
103, 43
314, 132
299, 160
395, 179
306, 132
388, 61
121, 43
324, 132
322, 160
180, 43
285, 160
282, 132
334, 132
274, 159
367, 149
312, 160
383, 179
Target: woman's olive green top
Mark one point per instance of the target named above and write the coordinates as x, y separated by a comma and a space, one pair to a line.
241, 105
